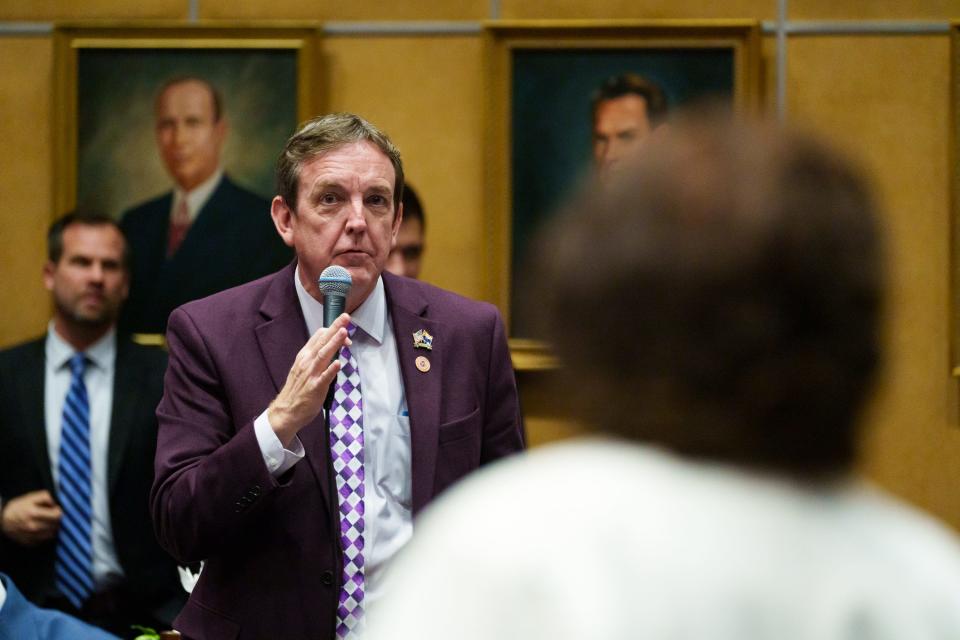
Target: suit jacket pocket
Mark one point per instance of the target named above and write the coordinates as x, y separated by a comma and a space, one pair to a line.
198, 622
461, 427
459, 449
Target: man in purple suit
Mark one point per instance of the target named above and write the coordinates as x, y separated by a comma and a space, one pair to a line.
296, 508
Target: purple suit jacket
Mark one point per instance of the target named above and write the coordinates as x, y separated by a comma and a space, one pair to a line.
270, 545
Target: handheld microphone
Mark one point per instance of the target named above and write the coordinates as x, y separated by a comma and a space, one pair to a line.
334, 283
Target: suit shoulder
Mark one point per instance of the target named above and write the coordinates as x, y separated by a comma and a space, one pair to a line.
243, 196
152, 357
145, 213
21, 352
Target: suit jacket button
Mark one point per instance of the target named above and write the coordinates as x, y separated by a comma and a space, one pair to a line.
327, 578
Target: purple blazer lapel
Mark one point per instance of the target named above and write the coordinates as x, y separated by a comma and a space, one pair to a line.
422, 389
280, 337
283, 331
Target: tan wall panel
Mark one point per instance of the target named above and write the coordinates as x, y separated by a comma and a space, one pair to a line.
372, 11
647, 10
25, 178
91, 9
768, 75
426, 93
867, 93
874, 10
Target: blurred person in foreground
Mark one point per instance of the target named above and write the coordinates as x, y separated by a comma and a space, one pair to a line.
406, 256
730, 283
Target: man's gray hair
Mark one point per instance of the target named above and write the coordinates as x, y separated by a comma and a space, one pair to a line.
325, 133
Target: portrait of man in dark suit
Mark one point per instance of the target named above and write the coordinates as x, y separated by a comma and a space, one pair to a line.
588, 108
78, 434
208, 233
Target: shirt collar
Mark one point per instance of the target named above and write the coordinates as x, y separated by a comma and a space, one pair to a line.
199, 195
101, 353
370, 316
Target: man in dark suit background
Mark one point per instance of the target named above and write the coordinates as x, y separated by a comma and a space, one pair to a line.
206, 235
277, 494
123, 575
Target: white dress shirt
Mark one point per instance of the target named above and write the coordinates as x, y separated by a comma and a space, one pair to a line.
386, 426
197, 197
98, 378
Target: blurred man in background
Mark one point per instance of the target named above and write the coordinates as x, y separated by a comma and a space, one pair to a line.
716, 307
78, 435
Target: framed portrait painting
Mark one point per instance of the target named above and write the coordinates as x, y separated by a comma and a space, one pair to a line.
107, 80
543, 80
151, 121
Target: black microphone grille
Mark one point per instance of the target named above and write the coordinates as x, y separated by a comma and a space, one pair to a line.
335, 280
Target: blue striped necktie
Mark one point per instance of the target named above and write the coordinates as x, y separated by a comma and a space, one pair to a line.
74, 564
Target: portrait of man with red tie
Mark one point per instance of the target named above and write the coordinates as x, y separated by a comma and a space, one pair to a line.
207, 234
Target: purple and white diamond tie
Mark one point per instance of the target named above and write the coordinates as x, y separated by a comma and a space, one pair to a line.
346, 446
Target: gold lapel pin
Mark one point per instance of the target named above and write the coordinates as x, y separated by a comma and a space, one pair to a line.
423, 340
423, 364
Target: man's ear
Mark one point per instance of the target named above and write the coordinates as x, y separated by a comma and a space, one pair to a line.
397, 220
48, 271
282, 219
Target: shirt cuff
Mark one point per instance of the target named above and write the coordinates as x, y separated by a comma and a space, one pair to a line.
277, 459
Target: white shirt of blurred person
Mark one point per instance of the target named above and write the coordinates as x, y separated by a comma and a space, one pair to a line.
730, 375
406, 256
627, 110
